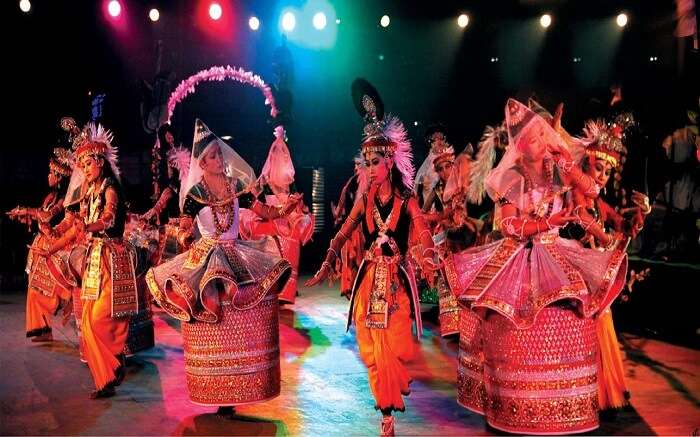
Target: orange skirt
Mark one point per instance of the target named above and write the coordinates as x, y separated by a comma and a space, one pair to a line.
103, 337
612, 387
384, 351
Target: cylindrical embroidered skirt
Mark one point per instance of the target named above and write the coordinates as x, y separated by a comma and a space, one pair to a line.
449, 309
471, 393
237, 360
541, 380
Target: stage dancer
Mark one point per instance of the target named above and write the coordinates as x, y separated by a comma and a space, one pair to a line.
534, 346
351, 253
597, 226
439, 215
384, 297
108, 281
169, 166
291, 230
44, 294
223, 289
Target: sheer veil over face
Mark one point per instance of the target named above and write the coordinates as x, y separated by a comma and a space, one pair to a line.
233, 164
528, 137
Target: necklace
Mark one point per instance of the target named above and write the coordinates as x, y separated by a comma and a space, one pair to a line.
225, 210
544, 206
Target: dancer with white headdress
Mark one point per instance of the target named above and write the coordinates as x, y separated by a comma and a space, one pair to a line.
290, 231
222, 288
533, 295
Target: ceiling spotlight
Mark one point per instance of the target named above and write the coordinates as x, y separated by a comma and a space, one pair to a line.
385, 21
289, 21
319, 20
463, 21
545, 20
154, 15
215, 11
114, 8
254, 23
25, 5
621, 20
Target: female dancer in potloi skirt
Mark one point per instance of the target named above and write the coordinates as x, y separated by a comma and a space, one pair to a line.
384, 297
291, 231
533, 295
223, 288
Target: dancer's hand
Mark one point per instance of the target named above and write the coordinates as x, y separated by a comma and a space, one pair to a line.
320, 275
561, 218
642, 201
559, 152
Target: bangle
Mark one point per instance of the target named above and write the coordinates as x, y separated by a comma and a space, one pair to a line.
426, 250
549, 225
330, 249
564, 165
424, 231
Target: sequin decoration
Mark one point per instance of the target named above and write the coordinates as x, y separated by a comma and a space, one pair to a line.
541, 380
235, 361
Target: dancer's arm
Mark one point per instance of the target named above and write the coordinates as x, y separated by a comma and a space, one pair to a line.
512, 225
337, 243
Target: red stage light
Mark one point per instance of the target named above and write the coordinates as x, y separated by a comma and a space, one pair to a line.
114, 8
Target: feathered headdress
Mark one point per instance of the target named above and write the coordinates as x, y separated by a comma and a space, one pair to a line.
386, 135
604, 140
492, 139
95, 140
62, 162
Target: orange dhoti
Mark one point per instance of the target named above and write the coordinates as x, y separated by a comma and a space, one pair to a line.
385, 350
612, 388
43, 293
40, 309
105, 317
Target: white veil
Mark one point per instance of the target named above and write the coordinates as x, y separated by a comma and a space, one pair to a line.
234, 165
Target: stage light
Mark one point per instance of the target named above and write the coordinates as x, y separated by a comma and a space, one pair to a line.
215, 11
289, 21
319, 20
254, 23
25, 5
415, 123
463, 21
385, 21
621, 20
545, 20
154, 15
381, 57
114, 8
653, 58
576, 60
337, 21
494, 60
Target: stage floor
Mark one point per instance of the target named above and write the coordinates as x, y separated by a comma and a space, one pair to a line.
44, 387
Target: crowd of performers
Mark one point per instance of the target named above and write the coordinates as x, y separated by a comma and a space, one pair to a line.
525, 289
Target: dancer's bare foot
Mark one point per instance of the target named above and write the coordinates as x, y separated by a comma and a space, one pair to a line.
387, 427
226, 412
46, 336
106, 392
